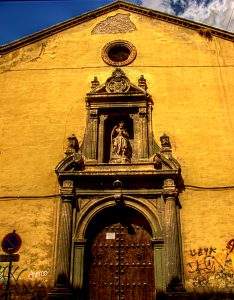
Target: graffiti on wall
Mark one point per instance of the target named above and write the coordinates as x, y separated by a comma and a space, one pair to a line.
15, 275
18, 273
39, 275
24, 283
208, 267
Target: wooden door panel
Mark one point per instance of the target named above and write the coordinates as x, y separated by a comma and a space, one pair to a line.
137, 272
104, 265
121, 264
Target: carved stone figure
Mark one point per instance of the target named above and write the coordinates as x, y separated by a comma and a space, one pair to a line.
72, 145
121, 150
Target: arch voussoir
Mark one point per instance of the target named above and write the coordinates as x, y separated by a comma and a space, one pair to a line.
94, 207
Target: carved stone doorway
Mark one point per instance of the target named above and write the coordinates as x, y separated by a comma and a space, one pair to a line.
119, 164
119, 260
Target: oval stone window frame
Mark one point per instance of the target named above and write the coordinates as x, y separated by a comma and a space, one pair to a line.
130, 48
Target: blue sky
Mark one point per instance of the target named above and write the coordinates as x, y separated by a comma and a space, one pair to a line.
23, 17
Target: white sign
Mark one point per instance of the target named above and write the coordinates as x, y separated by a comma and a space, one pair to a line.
110, 235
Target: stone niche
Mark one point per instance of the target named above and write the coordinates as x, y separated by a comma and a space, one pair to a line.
119, 128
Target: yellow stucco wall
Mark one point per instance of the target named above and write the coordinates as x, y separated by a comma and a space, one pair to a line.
43, 89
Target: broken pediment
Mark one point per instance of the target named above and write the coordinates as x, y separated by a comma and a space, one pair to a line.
118, 84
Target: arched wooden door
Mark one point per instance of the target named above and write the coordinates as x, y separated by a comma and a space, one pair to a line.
119, 262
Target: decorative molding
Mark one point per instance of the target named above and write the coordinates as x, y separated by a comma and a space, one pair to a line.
120, 23
170, 191
142, 112
93, 113
148, 210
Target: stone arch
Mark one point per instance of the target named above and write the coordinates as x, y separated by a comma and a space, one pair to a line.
94, 207
148, 211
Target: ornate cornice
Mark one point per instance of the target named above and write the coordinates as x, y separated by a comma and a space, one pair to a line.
200, 28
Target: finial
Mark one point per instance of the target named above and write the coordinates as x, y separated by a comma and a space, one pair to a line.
142, 83
118, 73
165, 142
94, 83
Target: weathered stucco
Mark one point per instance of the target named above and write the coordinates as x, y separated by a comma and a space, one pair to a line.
43, 89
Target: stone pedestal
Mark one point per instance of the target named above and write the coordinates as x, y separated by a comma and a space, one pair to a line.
60, 293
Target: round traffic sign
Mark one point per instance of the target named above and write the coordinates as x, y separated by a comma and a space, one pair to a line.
11, 243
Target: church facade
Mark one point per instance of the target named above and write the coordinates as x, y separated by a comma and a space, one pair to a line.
117, 157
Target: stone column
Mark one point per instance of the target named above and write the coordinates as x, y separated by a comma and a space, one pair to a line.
101, 138
91, 136
64, 241
143, 133
150, 131
173, 258
62, 288
136, 139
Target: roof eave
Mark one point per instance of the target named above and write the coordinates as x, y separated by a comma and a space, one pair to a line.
106, 9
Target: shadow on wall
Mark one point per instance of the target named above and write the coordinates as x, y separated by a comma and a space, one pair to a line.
26, 290
36, 291
196, 296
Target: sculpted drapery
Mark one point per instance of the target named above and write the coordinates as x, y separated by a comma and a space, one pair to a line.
120, 145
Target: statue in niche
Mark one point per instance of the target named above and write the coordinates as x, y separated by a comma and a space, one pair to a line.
121, 150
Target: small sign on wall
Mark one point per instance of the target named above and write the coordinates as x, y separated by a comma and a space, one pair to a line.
110, 235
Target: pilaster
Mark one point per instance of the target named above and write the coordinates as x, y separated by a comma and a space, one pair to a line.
78, 271
173, 264
144, 153
101, 138
91, 138
159, 265
62, 288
